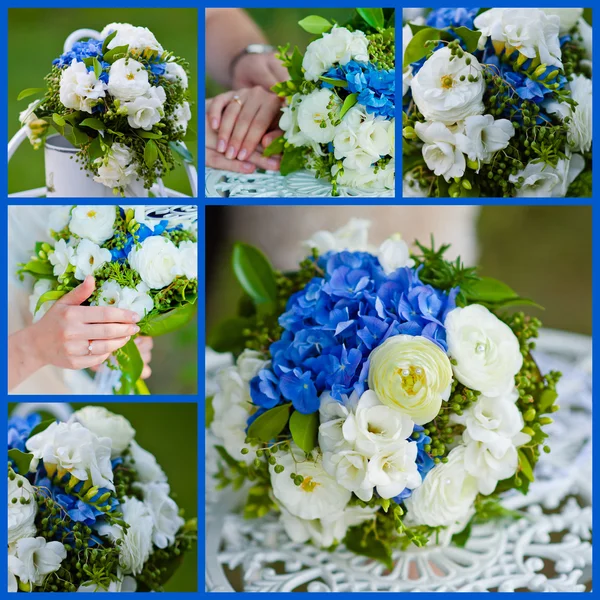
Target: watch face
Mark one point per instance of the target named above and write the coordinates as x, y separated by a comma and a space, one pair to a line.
258, 49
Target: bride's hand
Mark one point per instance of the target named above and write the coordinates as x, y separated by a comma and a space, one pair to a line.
145, 345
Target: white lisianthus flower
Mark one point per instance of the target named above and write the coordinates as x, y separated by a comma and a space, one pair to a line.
315, 114
360, 161
484, 349
117, 168
88, 258
40, 287
127, 80
136, 299
110, 294
93, 222
352, 237
61, 257
440, 150
412, 375
350, 470
333, 415
79, 88
106, 424
59, 218
188, 260
21, 516
440, 94
373, 137
543, 180
147, 468
288, 122
147, 110
394, 254
392, 470
483, 137
164, 512
345, 140
568, 17
35, 558
71, 448
319, 496
139, 39
447, 494
181, 116
155, 261
175, 72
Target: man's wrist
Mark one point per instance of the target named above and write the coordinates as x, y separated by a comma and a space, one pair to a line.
249, 50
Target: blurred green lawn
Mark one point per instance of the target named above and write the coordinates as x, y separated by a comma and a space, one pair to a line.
170, 432
36, 37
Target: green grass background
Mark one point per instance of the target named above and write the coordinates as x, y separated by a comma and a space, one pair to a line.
36, 37
169, 431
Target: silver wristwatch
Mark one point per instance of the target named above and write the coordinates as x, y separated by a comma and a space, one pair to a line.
250, 49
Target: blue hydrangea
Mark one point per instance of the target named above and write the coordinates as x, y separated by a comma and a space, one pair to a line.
452, 17
424, 461
19, 429
79, 52
144, 232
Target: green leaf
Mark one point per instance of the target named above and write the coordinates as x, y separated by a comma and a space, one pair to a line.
469, 37
130, 361
547, 399
169, 321
227, 336
488, 289
95, 149
58, 119
275, 147
41, 427
372, 16
29, 92
209, 412
304, 429
149, 135
39, 268
524, 465
342, 83
417, 49
182, 151
49, 296
107, 41
369, 546
227, 458
292, 160
461, 538
118, 52
270, 424
349, 102
21, 460
315, 24
93, 123
255, 274
295, 67
78, 137
150, 154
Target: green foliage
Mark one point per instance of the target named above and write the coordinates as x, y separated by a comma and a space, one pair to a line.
150, 153
229, 335
21, 460
349, 102
159, 324
270, 424
209, 411
419, 45
315, 25
304, 430
41, 427
255, 274
293, 159
131, 365
259, 502
493, 294
30, 92
372, 16
275, 147
469, 37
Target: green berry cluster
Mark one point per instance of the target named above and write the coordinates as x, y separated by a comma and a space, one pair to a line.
382, 49
181, 290
177, 236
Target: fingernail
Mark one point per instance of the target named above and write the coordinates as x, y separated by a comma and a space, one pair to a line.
128, 338
273, 164
230, 152
243, 153
215, 123
248, 166
135, 329
135, 318
221, 146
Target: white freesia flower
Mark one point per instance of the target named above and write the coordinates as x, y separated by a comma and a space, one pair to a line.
21, 517
164, 512
392, 470
137, 300
181, 116
28, 115
93, 222
88, 258
59, 217
288, 122
147, 110
175, 72
440, 150
568, 17
79, 88
350, 469
411, 374
352, 237
117, 168
394, 254
483, 137
440, 94
35, 558
106, 424
71, 448
484, 349
61, 257
333, 415
155, 261
40, 287
188, 260
127, 79
147, 468
447, 494
315, 114
139, 39
110, 294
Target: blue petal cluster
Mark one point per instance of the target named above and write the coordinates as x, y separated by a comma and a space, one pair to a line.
333, 324
424, 461
452, 17
19, 429
144, 232
79, 52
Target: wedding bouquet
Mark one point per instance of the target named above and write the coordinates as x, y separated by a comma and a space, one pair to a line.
339, 116
122, 100
497, 103
139, 264
379, 398
89, 510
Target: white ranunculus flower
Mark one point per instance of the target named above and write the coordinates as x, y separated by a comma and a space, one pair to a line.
139, 39
40, 287
88, 258
106, 424
136, 299
319, 497
93, 222
61, 257
188, 260
288, 122
440, 150
315, 114
568, 17
155, 261
411, 374
145, 464
543, 180
145, 111
181, 116
352, 237
21, 517
79, 88
484, 349
164, 512
440, 94
35, 558
483, 137
394, 468
447, 494
128, 80
117, 168
175, 72
394, 254
71, 448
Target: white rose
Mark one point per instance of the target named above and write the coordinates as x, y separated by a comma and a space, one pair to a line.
164, 512
59, 217
144, 463
145, 111
154, 261
440, 94
88, 258
568, 17
394, 254
117, 168
175, 72
79, 88
447, 494
181, 116
106, 424
35, 558
136, 299
288, 122
72, 448
139, 39
127, 79
93, 222
188, 260
249, 363
485, 351
440, 150
315, 115
21, 517
373, 137
393, 469
345, 141
61, 257
483, 136
352, 237
39, 289
319, 497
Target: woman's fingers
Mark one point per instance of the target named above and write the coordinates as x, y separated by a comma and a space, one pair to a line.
216, 160
260, 124
106, 314
216, 107
271, 163
87, 362
269, 137
245, 123
228, 120
106, 331
146, 372
98, 347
